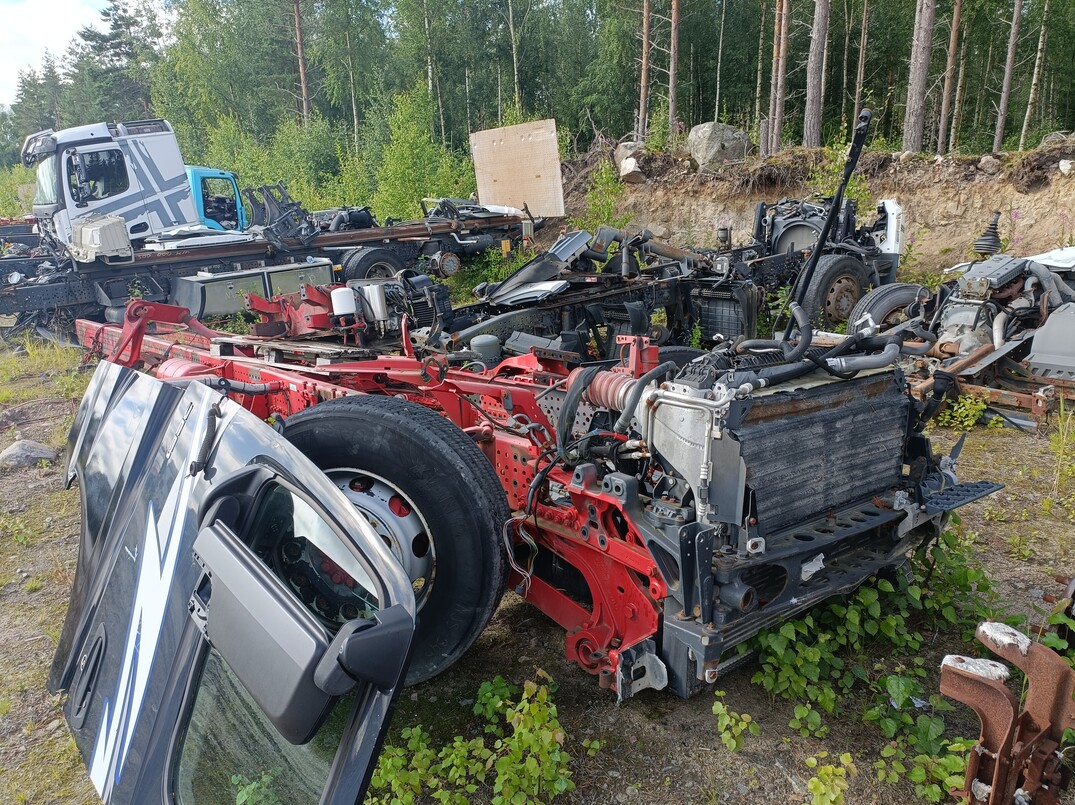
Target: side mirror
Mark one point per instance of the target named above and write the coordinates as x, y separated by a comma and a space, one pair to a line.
367, 651
80, 191
255, 623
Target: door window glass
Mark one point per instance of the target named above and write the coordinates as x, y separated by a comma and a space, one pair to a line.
230, 747
218, 201
106, 173
304, 551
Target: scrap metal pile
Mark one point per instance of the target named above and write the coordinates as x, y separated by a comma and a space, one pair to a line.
655, 513
1002, 331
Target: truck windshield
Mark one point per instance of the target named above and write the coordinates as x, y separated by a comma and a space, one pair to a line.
47, 183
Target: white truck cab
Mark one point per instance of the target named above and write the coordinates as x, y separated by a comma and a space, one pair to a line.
132, 170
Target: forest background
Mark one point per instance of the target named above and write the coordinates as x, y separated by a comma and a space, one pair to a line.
371, 101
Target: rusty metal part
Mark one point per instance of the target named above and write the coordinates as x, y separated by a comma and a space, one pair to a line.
926, 386
1039, 403
1017, 758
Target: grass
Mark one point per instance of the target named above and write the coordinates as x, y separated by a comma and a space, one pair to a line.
25, 370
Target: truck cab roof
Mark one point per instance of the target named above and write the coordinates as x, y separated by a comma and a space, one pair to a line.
48, 141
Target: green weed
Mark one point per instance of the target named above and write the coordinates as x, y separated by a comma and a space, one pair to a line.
962, 413
732, 726
830, 781
604, 193
520, 757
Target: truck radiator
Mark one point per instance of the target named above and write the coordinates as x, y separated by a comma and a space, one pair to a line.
812, 451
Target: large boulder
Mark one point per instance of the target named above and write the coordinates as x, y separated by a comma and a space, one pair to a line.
711, 144
630, 172
26, 453
627, 150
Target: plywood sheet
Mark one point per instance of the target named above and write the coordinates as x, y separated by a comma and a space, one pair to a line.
517, 165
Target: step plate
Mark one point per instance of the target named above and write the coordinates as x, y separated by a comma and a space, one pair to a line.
955, 496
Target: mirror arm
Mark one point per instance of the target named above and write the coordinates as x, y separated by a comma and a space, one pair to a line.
367, 651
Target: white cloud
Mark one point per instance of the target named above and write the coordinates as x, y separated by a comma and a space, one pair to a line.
30, 27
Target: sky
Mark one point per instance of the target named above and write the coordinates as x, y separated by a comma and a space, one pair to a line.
30, 27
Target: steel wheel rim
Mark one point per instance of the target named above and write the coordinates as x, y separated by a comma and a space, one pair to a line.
841, 298
397, 521
380, 271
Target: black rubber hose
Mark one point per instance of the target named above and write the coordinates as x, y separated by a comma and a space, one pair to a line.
942, 381
340, 219
237, 386
571, 406
199, 463
636, 394
806, 336
772, 375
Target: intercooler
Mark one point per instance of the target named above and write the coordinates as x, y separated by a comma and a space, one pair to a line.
815, 450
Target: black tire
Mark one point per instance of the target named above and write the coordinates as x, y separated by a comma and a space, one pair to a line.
839, 282
680, 356
373, 446
887, 305
370, 263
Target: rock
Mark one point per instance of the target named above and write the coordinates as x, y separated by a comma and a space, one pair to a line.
630, 172
1066, 166
627, 150
989, 164
711, 144
26, 453
659, 231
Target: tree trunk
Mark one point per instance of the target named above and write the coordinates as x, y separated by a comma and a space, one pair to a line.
761, 49
466, 88
1009, 69
860, 72
914, 115
949, 78
825, 65
1035, 82
843, 76
781, 77
429, 48
643, 82
815, 72
516, 36
351, 86
720, 59
673, 66
301, 54
979, 102
961, 91
777, 10
440, 107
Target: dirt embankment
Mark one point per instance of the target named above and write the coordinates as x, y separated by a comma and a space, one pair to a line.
946, 201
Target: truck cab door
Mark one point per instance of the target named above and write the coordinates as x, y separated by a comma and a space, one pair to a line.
98, 180
217, 200
235, 627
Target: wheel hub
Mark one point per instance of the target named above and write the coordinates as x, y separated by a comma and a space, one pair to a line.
397, 522
841, 299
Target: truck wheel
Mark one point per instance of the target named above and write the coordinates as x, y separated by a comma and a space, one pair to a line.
680, 356
370, 263
434, 499
887, 305
838, 283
